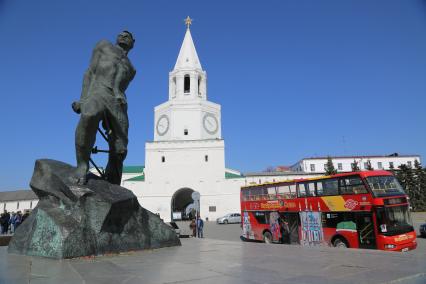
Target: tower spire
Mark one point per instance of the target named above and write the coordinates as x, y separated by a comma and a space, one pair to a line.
188, 22
188, 58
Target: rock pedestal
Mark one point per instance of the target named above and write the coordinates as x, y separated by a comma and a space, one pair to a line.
98, 218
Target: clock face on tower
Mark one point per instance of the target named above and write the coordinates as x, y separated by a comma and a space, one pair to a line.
162, 125
210, 123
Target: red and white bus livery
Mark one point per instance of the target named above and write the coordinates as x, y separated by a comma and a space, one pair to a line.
366, 209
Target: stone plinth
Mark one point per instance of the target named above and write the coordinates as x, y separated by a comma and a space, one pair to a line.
72, 220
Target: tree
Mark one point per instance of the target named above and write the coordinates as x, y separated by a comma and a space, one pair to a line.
369, 167
419, 194
329, 167
414, 183
354, 166
405, 177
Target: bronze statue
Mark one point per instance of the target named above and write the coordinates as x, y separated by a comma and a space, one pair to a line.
103, 100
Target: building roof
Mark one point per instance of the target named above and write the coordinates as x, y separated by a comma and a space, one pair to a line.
133, 169
136, 178
229, 175
188, 57
17, 195
254, 174
361, 156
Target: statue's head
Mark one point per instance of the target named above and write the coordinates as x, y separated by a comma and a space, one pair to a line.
125, 40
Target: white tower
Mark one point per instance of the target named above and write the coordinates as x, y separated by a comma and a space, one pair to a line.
187, 147
187, 115
187, 155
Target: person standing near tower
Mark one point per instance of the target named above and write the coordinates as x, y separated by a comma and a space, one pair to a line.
103, 100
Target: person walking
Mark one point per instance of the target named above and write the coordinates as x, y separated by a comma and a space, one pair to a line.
193, 227
200, 227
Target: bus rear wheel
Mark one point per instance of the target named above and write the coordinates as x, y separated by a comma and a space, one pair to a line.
267, 237
339, 243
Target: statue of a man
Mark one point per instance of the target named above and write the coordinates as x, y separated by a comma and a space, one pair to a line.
103, 99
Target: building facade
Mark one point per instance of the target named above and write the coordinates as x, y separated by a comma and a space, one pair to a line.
19, 200
344, 163
187, 154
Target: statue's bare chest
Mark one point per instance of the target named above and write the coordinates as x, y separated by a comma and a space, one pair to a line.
114, 59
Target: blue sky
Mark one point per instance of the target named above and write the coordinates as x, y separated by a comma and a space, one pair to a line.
295, 78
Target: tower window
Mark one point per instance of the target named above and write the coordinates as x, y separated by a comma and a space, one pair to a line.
163, 159
199, 86
185, 132
186, 84
206, 158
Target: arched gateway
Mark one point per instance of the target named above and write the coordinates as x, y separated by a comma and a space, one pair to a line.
184, 204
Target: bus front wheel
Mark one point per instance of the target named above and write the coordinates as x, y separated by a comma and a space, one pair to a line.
339, 243
267, 237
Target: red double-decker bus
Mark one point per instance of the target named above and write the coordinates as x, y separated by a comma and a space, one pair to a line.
366, 209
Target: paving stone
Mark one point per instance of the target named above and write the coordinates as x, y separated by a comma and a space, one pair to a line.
217, 261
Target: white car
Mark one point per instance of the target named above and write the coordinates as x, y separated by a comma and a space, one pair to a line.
229, 218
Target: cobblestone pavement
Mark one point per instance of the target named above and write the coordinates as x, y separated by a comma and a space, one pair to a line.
212, 260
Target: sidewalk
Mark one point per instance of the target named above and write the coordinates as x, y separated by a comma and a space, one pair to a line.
215, 261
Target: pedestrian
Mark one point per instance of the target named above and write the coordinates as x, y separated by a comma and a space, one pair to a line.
4, 222
12, 222
285, 231
18, 219
193, 227
200, 227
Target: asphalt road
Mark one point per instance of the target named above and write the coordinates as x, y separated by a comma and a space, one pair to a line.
232, 232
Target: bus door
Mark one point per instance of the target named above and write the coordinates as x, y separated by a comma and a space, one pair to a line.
365, 229
293, 220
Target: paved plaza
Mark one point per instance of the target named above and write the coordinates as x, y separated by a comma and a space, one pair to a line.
211, 260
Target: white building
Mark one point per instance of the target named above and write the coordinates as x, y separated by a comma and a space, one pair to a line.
344, 163
188, 152
19, 200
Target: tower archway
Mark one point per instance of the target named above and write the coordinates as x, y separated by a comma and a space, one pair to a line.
183, 205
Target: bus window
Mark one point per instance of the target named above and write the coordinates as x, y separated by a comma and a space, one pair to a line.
252, 194
320, 190
302, 190
264, 193
284, 191
293, 192
341, 220
245, 194
261, 217
259, 193
272, 194
353, 185
329, 187
311, 189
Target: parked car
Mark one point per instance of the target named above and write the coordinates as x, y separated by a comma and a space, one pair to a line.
229, 218
423, 230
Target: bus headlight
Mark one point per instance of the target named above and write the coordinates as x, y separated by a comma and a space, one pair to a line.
390, 246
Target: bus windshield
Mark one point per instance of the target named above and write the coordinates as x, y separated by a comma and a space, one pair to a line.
394, 220
384, 185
